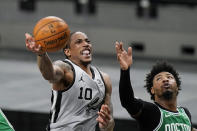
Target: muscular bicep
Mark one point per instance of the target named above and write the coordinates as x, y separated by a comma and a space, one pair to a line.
61, 69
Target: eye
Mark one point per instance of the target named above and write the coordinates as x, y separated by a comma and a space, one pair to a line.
88, 41
158, 78
79, 41
169, 77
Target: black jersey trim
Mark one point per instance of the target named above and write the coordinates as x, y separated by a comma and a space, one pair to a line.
92, 71
188, 115
58, 105
57, 108
187, 112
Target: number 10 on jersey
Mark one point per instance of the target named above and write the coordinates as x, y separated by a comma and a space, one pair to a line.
85, 93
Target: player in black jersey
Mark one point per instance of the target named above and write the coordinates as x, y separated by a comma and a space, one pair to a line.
163, 84
81, 94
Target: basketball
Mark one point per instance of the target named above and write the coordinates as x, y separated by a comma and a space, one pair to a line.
51, 33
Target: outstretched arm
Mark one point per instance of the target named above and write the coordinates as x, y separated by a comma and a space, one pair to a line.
127, 98
53, 72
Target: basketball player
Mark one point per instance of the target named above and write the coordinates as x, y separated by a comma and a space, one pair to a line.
4, 123
81, 94
163, 84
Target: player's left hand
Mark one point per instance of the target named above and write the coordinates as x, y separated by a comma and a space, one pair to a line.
104, 117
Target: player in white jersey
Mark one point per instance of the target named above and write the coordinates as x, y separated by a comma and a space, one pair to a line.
81, 94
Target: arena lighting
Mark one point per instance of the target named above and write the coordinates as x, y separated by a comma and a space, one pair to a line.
27, 5
142, 7
147, 8
85, 6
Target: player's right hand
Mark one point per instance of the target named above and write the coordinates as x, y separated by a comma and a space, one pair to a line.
104, 117
32, 46
124, 57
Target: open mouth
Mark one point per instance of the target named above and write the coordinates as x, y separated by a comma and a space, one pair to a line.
86, 52
166, 85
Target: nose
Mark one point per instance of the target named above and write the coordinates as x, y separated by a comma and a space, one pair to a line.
165, 80
85, 43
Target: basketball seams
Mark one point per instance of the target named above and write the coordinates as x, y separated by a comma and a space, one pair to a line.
50, 36
51, 33
47, 24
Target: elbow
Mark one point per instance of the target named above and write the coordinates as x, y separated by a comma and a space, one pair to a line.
123, 105
47, 77
128, 101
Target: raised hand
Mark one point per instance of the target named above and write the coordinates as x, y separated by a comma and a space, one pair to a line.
124, 57
32, 46
105, 118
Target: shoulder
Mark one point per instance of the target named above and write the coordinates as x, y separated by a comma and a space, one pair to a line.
64, 75
150, 108
187, 111
105, 76
107, 80
190, 117
150, 115
62, 65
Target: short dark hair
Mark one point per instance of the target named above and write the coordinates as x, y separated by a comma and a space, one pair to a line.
160, 66
68, 43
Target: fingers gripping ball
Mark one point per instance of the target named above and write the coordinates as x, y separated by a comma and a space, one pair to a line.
51, 33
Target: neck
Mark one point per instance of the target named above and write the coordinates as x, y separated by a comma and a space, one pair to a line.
168, 104
85, 67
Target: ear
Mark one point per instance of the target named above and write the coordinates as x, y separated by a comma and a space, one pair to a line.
152, 90
177, 88
67, 52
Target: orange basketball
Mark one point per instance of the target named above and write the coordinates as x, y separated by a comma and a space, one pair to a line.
51, 33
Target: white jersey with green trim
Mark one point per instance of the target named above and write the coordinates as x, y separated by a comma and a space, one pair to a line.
75, 109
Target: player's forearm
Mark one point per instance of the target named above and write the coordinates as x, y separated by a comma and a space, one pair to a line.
46, 67
125, 88
128, 101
